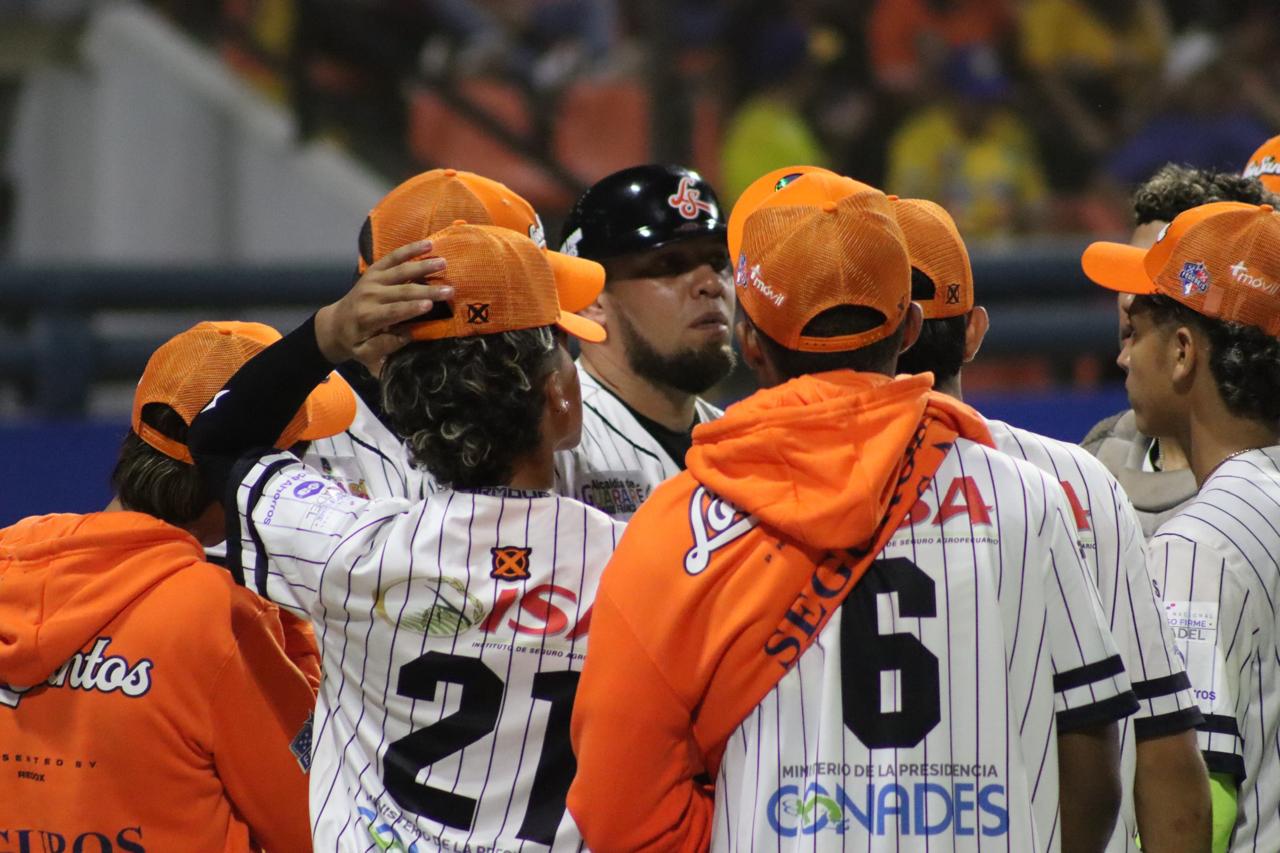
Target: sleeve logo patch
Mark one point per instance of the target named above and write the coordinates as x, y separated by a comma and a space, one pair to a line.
300, 746
1192, 621
510, 563
715, 523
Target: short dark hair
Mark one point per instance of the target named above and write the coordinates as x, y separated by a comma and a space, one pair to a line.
149, 481
940, 347
470, 408
879, 357
1175, 189
1244, 360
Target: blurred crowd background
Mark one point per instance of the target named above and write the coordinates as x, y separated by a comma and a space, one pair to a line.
1020, 116
165, 161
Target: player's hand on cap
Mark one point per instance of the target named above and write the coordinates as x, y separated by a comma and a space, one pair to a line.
364, 323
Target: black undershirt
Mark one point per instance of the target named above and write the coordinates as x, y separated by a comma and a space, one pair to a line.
366, 386
676, 443
259, 401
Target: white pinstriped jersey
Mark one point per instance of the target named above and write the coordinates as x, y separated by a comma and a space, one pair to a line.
617, 463
369, 460
926, 715
451, 632
1115, 552
1217, 566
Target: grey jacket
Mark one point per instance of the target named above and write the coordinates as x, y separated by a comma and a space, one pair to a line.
1156, 495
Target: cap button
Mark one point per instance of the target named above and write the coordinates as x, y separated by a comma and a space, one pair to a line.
224, 331
1266, 208
829, 206
450, 173
459, 222
892, 197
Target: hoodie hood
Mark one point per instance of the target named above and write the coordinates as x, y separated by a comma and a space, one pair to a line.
817, 458
64, 577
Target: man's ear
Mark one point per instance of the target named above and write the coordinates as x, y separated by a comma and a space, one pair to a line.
562, 415
1188, 349
911, 326
749, 342
975, 331
596, 310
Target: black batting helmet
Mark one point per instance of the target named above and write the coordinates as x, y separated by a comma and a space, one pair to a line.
641, 207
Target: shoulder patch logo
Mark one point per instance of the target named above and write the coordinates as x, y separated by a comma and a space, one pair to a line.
510, 563
300, 746
715, 523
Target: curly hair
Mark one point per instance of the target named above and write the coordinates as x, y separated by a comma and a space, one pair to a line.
469, 408
1174, 189
151, 482
1244, 360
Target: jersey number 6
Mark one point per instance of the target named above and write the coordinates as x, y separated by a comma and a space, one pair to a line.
477, 716
868, 655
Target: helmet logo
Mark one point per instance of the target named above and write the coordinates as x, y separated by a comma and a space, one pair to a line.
571, 242
688, 202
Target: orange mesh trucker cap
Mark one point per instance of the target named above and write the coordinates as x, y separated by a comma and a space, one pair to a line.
937, 250
186, 372
434, 200
1221, 260
1265, 164
504, 282
755, 193
817, 243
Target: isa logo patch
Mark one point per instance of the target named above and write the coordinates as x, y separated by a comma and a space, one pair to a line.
510, 563
1194, 278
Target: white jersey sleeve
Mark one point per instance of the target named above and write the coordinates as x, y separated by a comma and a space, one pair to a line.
1217, 566
617, 463
1110, 533
451, 631
925, 717
369, 461
1202, 598
1114, 550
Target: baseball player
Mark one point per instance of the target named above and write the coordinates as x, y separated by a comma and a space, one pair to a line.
1265, 165
147, 702
668, 305
1204, 367
1154, 471
850, 612
1159, 748
368, 459
451, 628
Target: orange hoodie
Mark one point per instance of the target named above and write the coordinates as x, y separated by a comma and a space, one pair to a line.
725, 576
146, 701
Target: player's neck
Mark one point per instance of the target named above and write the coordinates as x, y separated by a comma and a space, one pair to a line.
668, 406
1217, 436
534, 473
951, 388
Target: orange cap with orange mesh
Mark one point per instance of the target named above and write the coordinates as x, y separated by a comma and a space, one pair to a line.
504, 282
186, 372
1221, 260
937, 250
431, 201
820, 242
756, 192
1265, 164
